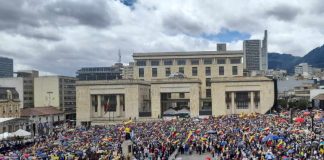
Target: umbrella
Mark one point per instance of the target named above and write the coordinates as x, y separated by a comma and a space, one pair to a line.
269, 156
306, 113
183, 111
170, 112
290, 151
211, 132
299, 120
270, 137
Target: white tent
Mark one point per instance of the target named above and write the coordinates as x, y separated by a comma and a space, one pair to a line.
5, 135
170, 111
183, 111
22, 133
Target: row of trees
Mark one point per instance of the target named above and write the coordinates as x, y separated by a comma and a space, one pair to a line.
295, 104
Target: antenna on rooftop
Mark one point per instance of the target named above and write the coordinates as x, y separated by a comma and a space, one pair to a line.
119, 56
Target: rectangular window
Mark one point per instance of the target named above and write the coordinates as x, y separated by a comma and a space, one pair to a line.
194, 71
242, 100
141, 72
182, 95
154, 72
221, 70
195, 62
168, 62
221, 61
155, 62
167, 72
207, 71
181, 70
208, 61
181, 62
235, 60
141, 63
208, 84
234, 70
208, 93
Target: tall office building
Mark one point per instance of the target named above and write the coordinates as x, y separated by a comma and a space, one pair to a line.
256, 54
56, 91
6, 67
264, 56
28, 83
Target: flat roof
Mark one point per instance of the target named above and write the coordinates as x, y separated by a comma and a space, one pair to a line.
175, 80
5, 119
191, 53
112, 82
239, 79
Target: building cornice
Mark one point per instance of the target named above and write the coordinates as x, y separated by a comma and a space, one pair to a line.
113, 82
239, 79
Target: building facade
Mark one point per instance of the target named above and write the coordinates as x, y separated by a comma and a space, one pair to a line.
9, 103
256, 54
6, 69
42, 119
56, 91
28, 85
99, 101
304, 70
18, 84
201, 83
128, 71
100, 73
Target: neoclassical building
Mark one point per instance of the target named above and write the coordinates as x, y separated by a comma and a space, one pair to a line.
9, 103
198, 83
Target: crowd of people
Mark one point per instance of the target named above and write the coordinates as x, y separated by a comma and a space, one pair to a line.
245, 136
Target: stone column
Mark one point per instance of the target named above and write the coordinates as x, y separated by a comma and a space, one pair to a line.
117, 114
233, 103
252, 106
99, 106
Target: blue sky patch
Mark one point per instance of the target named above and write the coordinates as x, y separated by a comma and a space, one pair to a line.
226, 36
128, 3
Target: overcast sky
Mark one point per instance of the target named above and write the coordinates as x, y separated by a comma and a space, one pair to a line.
61, 36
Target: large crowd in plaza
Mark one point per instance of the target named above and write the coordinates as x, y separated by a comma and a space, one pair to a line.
245, 136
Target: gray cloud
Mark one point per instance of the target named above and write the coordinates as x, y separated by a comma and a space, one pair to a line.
284, 12
15, 12
91, 14
177, 24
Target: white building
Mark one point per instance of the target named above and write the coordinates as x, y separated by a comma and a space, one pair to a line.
42, 119
17, 83
56, 91
303, 69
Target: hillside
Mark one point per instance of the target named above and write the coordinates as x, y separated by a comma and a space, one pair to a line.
282, 61
314, 57
288, 61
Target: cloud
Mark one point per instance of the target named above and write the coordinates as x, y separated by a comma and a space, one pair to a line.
95, 14
284, 12
61, 36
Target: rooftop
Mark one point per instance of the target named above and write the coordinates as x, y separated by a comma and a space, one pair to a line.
319, 97
112, 82
192, 53
40, 111
5, 119
240, 79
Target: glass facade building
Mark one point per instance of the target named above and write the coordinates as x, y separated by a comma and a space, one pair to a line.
6, 67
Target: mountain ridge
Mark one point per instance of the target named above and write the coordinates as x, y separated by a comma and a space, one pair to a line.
288, 61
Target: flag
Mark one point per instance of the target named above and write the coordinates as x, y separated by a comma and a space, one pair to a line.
128, 122
189, 135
